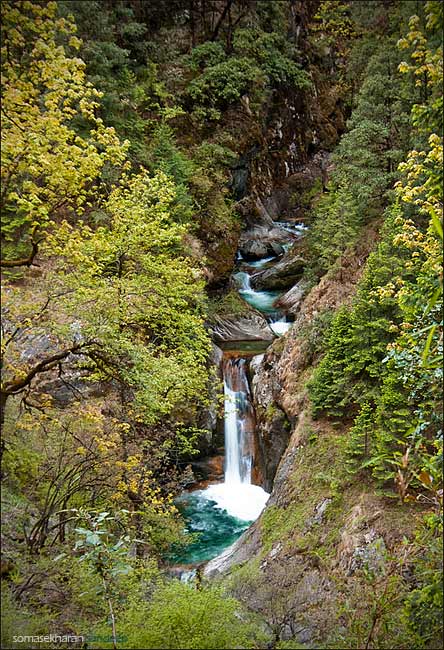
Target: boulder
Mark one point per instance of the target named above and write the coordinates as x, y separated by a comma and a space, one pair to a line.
276, 248
247, 328
292, 300
282, 275
255, 249
253, 212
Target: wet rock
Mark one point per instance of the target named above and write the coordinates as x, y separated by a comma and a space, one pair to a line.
208, 470
276, 248
265, 235
255, 364
273, 433
254, 249
238, 553
292, 299
241, 172
273, 428
251, 328
282, 275
253, 212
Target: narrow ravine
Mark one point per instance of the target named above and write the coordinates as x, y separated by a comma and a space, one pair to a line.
222, 511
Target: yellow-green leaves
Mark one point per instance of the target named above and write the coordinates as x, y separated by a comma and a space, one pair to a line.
133, 289
46, 164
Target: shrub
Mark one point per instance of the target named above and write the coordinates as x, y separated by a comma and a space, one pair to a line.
180, 616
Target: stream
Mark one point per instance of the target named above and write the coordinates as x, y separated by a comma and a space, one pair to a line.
220, 513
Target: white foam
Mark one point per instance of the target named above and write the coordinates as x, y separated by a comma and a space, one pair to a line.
240, 500
280, 327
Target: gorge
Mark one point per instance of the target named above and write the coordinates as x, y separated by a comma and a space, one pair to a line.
221, 336
222, 511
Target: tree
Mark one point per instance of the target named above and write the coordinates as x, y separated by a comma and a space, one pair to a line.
47, 166
147, 296
146, 329
358, 438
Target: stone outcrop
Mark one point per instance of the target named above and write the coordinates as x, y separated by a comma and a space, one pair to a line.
292, 299
272, 425
253, 212
256, 249
282, 275
247, 328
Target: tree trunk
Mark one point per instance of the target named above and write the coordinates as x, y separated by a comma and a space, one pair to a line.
221, 20
192, 25
3, 399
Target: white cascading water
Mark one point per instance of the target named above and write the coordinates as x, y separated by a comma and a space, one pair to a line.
260, 300
236, 494
238, 423
280, 326
263, 301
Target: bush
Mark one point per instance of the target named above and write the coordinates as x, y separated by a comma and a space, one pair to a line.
225, 83
180, 616
273, 53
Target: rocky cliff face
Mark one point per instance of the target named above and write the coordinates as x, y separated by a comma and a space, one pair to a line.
283, 152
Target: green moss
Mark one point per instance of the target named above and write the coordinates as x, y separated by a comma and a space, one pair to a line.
271, 411
227, 306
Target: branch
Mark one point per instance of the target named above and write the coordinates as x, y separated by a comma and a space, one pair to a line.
15, 386
8, 117
25, 261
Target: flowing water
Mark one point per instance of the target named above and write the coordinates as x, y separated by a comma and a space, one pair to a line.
219, 514
263, 301
260, 300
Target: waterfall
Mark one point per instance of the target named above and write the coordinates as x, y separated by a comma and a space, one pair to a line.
280, 325
236, 494
238, 422
244, 281
222, 511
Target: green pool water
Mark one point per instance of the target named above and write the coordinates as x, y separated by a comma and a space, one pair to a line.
216, 529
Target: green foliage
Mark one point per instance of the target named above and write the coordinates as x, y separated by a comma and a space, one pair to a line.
206, 55
423, 606
384, 351
259, 60
106, 555
226, 306
167, 157
359, 437
273, 53
335, 228
366, 158
147, 294
423, 43
115, 53
46, 164
332, 25
181, 616
19, 621
223, 84
329, 384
